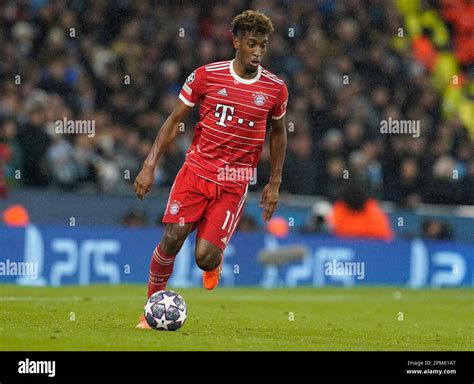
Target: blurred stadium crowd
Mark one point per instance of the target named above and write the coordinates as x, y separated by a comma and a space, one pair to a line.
122, 63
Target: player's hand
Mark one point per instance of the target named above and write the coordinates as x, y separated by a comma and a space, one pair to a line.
144, 181
269, 201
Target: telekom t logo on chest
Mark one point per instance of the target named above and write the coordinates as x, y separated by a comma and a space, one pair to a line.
226, 113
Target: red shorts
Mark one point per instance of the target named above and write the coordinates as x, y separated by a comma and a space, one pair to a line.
215, 209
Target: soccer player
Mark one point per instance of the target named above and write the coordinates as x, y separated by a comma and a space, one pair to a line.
236, 98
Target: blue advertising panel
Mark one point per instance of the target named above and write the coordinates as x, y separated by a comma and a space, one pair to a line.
48, 255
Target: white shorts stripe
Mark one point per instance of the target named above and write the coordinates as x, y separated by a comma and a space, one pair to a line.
239, 212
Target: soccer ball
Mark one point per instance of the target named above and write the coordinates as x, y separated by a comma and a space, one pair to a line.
165, 310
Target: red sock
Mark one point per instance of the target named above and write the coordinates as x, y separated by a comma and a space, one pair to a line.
161, 267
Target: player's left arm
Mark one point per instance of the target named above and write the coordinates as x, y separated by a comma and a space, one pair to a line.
270, 194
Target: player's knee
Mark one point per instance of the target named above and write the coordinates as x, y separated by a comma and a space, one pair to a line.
207, 260
172, 241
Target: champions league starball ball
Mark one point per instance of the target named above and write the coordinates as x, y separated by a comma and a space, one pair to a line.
165, 310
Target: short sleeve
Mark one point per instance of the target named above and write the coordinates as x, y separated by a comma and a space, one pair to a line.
279, 110
192, 89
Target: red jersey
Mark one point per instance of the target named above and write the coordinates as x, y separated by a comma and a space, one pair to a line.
233, 113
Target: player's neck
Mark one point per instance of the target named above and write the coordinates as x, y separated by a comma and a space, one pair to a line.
242, 72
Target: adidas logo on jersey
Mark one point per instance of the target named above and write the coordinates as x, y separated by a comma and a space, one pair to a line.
222, 92
224, 240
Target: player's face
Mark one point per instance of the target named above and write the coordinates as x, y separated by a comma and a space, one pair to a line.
250, 49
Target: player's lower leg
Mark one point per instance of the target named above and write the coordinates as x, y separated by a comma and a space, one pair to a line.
161, 267
209, 258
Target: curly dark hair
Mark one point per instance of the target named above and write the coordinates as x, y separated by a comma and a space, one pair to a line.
251, 21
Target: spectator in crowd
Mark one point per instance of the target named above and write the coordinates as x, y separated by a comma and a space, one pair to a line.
316, 223
247, 224
135, 217
62, 164
13, 155
406, 191
356, 215
336, 177
34, 143
301, 172
436, 230
444, 186
5, 155
16, 216
468, 181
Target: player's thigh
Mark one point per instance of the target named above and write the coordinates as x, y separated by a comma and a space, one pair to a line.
174, 237
221, 218
187, 200
178, 232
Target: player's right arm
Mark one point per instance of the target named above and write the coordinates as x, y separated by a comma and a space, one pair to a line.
166, 135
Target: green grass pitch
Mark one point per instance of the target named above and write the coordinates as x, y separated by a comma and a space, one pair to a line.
102, 317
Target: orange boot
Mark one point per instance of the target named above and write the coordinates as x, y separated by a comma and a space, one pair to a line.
210, 279
142, 323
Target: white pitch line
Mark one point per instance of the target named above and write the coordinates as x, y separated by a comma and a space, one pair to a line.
328, 298
69, 298
290, 298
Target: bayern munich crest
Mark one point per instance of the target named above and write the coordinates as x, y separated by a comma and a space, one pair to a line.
259, 99
174, 207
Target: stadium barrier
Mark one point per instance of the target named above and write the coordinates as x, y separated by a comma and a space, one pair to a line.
53, 208
54, 256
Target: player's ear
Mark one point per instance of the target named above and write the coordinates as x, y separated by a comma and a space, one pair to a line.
236, 42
